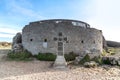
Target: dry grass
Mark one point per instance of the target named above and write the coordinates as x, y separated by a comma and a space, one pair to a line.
113, 51
5, 45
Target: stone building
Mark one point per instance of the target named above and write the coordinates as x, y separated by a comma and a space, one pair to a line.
42, 36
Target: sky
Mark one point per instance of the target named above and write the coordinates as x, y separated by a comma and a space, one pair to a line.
100, 14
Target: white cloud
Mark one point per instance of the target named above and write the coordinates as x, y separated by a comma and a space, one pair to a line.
15, 12
6, 35
8, 30
105, 15
11, 29
101, 14
23, 9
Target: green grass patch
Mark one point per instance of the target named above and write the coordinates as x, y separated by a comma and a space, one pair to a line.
70, 57
46, 56
24, 55
97, 60
51, 57
107, 61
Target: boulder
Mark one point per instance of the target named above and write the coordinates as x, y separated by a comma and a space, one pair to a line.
80, 57
87, 56
17, 47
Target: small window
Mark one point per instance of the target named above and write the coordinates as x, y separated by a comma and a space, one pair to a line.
82, 41
31, 39
60, 34
94, 42
45, 40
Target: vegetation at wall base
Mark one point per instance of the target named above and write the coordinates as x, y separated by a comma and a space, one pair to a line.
107, 61
24, 55
51, 57
86, 58
70, 57
104, 52
97, 60
46, 56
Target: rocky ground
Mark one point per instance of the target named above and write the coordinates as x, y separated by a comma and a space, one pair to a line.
42, 70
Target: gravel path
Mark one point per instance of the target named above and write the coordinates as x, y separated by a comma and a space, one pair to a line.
41, 70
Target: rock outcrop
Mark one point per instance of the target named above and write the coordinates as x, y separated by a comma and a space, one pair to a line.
17, 43
17, 38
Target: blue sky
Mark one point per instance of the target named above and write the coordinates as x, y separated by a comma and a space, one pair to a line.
100, 14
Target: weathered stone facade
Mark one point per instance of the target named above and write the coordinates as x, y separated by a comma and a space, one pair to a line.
41, 36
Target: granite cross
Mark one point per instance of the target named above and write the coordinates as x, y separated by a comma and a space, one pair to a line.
60, 48
60, 61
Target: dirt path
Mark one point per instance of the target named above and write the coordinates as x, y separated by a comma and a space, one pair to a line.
41, 70
3, 53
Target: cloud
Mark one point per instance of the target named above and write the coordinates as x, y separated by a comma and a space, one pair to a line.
17, 13
7, 31
104, 15
2, 35
23, 8
100, 14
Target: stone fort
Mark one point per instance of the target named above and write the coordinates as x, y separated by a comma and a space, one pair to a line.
79, 37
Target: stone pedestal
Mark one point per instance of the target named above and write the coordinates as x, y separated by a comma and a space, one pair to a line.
60, 62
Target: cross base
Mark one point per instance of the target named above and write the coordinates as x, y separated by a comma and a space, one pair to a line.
60, 62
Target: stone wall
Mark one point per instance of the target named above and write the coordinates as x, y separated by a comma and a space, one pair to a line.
40, 36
